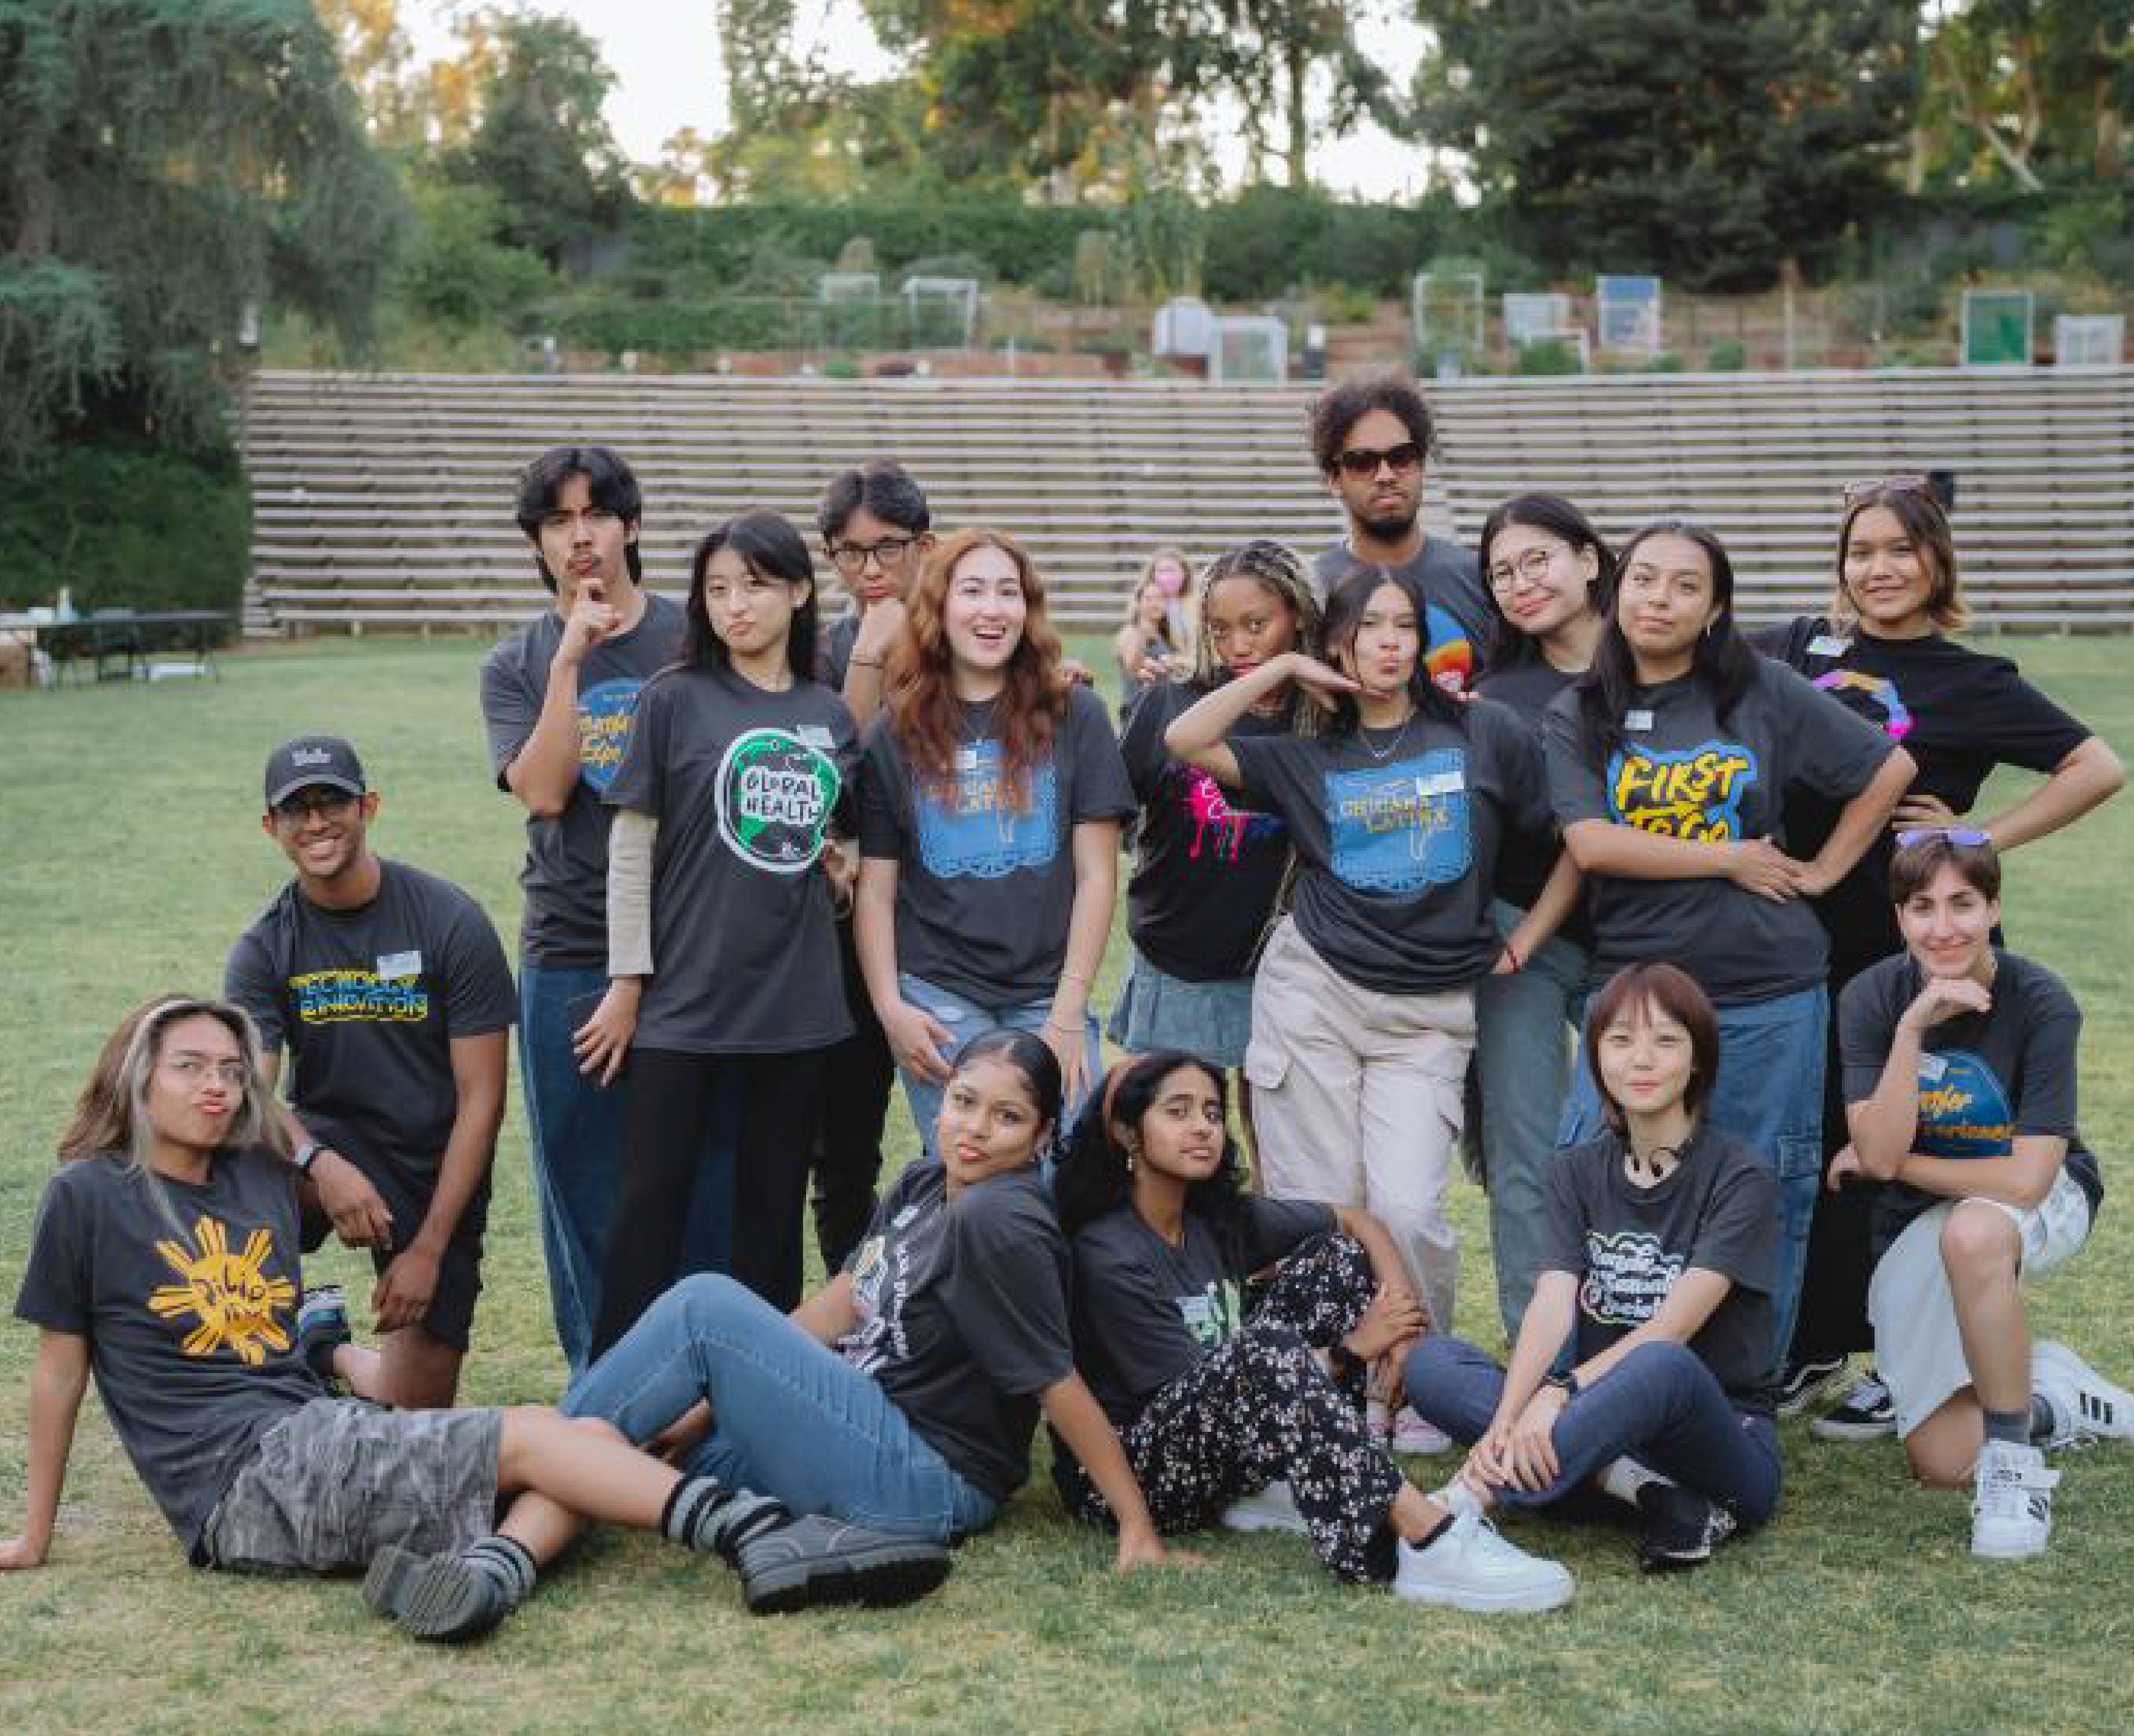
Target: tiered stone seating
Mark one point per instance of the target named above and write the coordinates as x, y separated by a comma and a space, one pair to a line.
384, 501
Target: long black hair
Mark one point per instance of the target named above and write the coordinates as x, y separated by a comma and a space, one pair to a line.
1029, 1055
773, 550
1553, 516
1337, 632
1724, 662
1093, 1177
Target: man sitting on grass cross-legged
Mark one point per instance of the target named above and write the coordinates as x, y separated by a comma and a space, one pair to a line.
165, 1262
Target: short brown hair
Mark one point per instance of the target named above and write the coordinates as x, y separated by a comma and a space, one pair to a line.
1928, 526
1913, 868
1673, 990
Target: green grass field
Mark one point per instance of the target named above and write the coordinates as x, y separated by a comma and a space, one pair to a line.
131, 857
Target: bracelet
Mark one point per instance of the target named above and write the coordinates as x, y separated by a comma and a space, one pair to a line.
1065, 1030
863, 663
307, 1153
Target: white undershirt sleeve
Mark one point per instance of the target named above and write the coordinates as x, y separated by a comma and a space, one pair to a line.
629, 842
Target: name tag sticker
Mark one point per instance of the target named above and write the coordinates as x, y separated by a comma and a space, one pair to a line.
967, 758
1828, 644
904, 1218
1195, 1311
1932, 1068
1640, 719
393, 967
815, 735
1441, 783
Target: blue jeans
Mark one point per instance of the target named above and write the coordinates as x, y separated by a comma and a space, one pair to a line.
1523, 1030
792, 1419
574, 1137
1660, 1404
1769, 1095
964, 1019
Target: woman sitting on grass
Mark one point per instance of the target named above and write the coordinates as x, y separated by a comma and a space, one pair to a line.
1960, 1088
1644, 1360
164, 1261
1213, 1405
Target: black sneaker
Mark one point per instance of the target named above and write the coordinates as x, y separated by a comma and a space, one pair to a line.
434, 1596
1867, 1414
1801, 1384
322, 1327
812, 1559
1682, 1528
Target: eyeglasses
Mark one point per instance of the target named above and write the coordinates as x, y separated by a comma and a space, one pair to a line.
852, 557
192, 1068
1969, 837
1911, 482
1533, 564
1362, 461
294, 810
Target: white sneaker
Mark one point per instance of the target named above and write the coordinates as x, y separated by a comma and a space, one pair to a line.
1270, 1509
2011, 1512
1470, 1566
2085, 1405
1412, 1435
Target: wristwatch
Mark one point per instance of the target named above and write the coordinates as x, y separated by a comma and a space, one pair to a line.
307, 1153
1564, 1380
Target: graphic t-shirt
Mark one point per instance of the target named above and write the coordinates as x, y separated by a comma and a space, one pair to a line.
367, 1002
744, 784
1145, 1312
985, 882
1985, 1079
1956, 712
1206, 871
1397, 841
1526, 859
1628, 1247
191, 1319
565, 925
1458, 607
1680, 773
963, 1316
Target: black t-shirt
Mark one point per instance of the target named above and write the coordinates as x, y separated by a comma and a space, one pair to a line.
1957, 712
985, 884
1206, 872
1627, 1245
1681, 774
963, 1316
745, 784
1145, 1312
834, 650
191, 1317
1457, 606
1397, 841
1984, 1078
367, 1002
565, 925
1526, 859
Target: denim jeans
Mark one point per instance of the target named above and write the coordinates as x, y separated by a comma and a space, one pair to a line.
1523, 1025
1660, 1404
964, 1019
792, 1419
1769, 1095
574, 1138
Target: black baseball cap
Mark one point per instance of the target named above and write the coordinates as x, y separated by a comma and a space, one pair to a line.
311, 762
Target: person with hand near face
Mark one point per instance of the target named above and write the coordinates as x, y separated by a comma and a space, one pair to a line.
387, 990
1644, 1362
1960, 1064
989, 826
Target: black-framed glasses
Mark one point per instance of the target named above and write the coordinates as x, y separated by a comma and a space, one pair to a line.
1969, 837
1531, 564
1362, 461
295, 809
852, 557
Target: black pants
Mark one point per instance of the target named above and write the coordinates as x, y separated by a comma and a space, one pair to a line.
848, 1147
1832, 1320
670, 1099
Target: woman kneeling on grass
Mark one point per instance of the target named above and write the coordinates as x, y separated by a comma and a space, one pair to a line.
903, 1393
1960, 1089
164, 1261
1645, 1361
1213, 1406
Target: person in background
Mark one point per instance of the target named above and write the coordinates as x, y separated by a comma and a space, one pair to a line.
1143, 647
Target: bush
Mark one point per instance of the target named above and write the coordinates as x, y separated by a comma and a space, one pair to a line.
456, 271
1549, 355
1729, 357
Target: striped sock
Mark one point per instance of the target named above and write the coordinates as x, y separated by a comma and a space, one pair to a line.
703, 1514
505, 1561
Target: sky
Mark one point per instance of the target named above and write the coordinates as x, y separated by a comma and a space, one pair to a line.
665, 57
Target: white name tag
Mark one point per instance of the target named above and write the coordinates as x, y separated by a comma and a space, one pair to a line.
904, 1218
1932, 1068
967, 758
1828, 644
1195, 1311
1441, 783
815, 735
1640, 719
394, 966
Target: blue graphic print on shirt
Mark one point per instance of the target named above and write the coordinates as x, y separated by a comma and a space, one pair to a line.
1963, 1107
1401, 827
972, 824
1694, 793
605, 714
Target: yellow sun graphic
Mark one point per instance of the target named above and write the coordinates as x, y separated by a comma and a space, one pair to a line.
235, 1299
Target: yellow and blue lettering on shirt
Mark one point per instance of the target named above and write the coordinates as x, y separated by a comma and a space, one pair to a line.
1698, 792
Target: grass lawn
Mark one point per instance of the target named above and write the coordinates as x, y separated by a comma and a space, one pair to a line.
130, 858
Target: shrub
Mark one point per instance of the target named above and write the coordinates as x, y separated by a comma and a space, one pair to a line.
1549, 355
1729, 357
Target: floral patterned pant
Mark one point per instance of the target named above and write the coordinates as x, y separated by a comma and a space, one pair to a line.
1261, 1407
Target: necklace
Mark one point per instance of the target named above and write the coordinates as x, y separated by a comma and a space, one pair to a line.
1645, 1168
981, 726
1381, 755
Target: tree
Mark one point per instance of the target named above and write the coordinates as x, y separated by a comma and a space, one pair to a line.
1268, 51
2033, 90
375, 55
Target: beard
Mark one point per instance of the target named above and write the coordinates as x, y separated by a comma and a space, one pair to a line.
1390, 526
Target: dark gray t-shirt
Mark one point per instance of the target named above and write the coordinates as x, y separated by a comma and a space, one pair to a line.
565, 878
744, 784
1985, 1079
1145, 1312
1628, 1245
191, 1325
1681, 774
1396, 848
985, 882
1528, 858
1451, 581
834, 650
963, 1316
367, 1002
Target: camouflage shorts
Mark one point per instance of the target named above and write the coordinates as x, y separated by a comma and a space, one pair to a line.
332, 1483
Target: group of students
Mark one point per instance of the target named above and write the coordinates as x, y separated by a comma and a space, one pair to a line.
1537, 849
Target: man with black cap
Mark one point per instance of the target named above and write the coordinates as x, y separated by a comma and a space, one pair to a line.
389, 990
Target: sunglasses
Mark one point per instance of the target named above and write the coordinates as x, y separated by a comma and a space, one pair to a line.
1910, 483
1967, 836
1362, 461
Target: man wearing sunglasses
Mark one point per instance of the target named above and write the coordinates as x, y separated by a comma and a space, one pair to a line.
388, 990
1371, 439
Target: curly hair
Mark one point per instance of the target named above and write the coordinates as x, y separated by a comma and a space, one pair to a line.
1094, 1176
